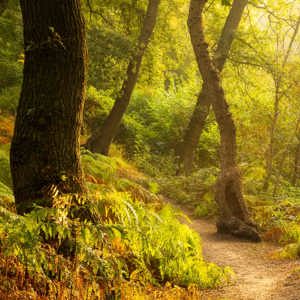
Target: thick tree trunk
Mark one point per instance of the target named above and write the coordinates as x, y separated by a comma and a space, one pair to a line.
201, 111
3, 6
101, 139
234, 216
45, 150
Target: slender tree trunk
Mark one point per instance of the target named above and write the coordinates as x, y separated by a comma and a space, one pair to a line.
234, 216
270, 152
45, 149
278, 96
188, 146
296, 164
201, 111
3, 6
102, 138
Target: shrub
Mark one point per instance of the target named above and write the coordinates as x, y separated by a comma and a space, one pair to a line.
82, 245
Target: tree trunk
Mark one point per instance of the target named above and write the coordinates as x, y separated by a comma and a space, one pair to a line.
270, 151
192, 134
3, 6
234, 216
101, 139
201, 111
45, 149
296, 165
278, 96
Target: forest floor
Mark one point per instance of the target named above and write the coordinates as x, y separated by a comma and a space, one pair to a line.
258, 275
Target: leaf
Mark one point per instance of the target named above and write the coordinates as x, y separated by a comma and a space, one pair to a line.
226, 2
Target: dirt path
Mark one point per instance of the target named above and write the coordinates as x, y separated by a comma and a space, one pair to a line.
258, 276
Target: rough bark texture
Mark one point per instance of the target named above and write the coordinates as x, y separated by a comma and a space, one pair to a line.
3, 6
234, 217
45, 150
100, 140
201, 111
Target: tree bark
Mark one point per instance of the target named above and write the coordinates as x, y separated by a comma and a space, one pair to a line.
101, 139
193, 132
45, 149
3, 6
234, 216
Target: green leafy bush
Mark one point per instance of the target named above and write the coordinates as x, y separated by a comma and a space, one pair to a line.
107, 237
9, 98
6, 195
195, 191
5, 176
279, 220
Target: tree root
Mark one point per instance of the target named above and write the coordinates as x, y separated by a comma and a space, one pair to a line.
238, 228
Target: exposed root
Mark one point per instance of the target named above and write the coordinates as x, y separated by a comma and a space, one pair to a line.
239, 229
234, 216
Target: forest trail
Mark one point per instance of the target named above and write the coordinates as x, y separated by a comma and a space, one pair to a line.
258, 275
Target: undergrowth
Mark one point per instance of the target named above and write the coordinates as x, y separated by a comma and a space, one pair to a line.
277, 218
279, 221
195, 191
117, 241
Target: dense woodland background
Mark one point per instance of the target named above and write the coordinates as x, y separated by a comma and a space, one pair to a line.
191, 103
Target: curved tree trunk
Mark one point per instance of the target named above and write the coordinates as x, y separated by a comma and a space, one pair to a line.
45, 150
201, 111
101, 139
3, 6
234, 217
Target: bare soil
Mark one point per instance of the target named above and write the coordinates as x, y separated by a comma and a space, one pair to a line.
258, 275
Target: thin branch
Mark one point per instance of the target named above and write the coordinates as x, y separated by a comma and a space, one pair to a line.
263, 6
96, 12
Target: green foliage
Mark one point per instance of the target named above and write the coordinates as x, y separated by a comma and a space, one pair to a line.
122, 240
5, 176
113, 28
97, 107
195, 191
226, 2
144, 126
291, 251
6, 195
99, 166
9, 98
178, 260
280, 222
108, 237
10, 54
121, 230
106, 47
